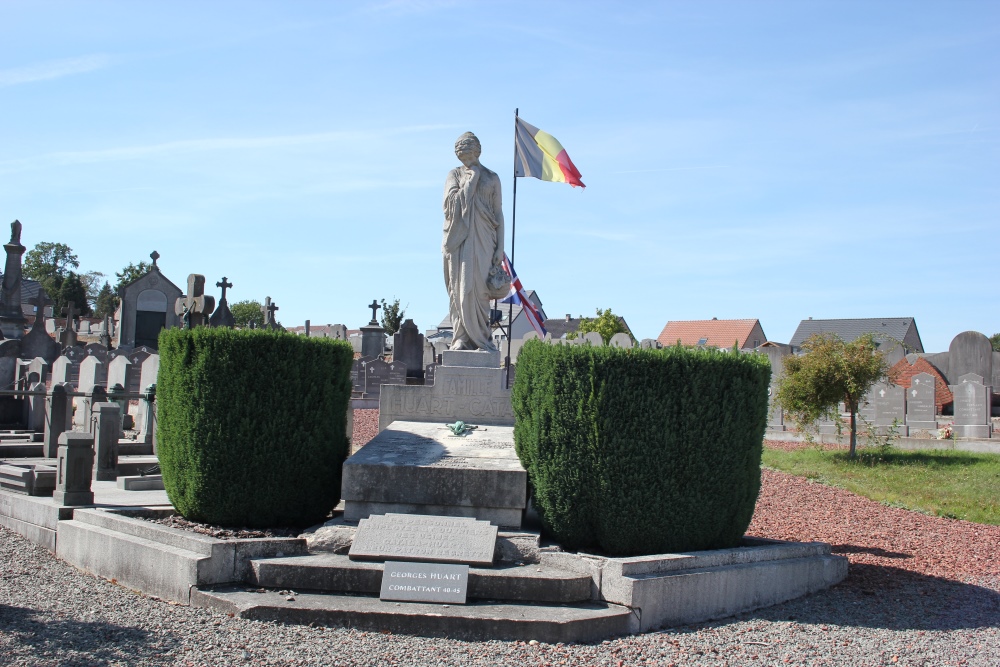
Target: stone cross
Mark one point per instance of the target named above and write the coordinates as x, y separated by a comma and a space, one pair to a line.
224, 285
70, 312
375, 307
195, 305
40, 301
268, 309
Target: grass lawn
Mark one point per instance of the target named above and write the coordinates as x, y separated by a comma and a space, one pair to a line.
960, 485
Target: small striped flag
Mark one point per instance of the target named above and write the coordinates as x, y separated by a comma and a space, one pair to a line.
540, 155
517, 297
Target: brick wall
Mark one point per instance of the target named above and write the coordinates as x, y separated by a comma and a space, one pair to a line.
905, 372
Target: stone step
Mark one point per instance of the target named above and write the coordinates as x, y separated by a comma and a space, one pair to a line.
336, 573
581, 622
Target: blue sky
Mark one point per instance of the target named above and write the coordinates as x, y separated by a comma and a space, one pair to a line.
771, 160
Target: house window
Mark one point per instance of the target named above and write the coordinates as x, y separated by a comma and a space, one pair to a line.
702, 341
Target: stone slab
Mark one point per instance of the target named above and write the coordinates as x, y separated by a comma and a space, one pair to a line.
478, 621
432, 539
141, 483
425, 582
471, 358
415, 464
472, 395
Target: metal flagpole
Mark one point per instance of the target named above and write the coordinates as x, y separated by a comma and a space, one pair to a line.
513, 230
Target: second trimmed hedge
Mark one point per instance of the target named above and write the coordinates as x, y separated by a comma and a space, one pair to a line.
641, 451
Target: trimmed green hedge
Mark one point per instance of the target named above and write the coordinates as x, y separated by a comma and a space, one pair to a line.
641, 451
252, 425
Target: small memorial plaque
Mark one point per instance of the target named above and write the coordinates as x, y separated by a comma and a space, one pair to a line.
434, 539
425, 582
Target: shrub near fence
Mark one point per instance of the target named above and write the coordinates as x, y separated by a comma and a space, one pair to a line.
641, 451
252, 425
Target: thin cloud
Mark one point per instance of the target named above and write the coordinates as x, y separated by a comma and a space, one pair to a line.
64, 158
53, 69
646, 171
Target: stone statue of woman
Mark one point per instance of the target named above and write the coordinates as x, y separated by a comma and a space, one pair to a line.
473, 244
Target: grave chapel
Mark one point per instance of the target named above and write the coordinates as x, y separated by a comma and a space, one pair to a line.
147, 305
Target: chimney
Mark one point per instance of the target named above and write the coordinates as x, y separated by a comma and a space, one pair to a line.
568, 317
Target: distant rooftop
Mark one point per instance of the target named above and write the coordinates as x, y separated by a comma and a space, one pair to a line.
711, 333
903, 329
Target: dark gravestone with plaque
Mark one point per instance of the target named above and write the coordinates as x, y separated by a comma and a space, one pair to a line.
972, 407
358, 376
397, 373
429, 370
920, 406
376, 375
890, 407
425, 582
431, 539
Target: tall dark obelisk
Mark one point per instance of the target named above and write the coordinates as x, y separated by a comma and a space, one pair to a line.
12, 320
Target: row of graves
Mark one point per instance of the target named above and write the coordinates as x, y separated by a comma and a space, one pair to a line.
933, 394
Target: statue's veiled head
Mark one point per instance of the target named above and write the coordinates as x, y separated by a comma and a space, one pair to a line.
468, 149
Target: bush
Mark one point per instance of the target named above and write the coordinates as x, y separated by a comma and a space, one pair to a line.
252, 425
641, 451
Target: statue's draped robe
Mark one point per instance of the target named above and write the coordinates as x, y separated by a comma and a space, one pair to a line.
473, 228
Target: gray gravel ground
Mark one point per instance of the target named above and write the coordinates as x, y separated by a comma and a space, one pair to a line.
52, 614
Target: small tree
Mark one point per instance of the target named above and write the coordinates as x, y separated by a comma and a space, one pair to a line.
71, 289
106, 303
392, 316
248, 312
831, 371
606, 323
995, 342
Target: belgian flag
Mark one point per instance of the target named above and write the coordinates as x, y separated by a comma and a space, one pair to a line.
540, 155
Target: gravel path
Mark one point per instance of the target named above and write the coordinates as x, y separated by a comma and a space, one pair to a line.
921, 591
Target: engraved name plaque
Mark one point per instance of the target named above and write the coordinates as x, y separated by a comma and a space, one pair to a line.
432, 539
425, 582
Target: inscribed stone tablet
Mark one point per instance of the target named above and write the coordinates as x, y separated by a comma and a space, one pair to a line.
358, 376
433, 539
376, 375
890, 405
920, 406
972, 403
425, 582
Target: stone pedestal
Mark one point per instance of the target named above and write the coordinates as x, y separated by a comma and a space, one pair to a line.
58, 418
76, 463
107, 428
372, 341
423, 468
468, 386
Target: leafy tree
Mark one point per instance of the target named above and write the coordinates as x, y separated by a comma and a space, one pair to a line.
995, 342
49, 263
48, 260
106, 302
248, 312
831, 371
606, 323
92, 285
71, 289
392, 316
129, 274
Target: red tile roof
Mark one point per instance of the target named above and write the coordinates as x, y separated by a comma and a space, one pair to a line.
718, 333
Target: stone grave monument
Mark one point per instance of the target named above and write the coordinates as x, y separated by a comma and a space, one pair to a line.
195, 307
973, 404
12, 318
890, 408
920, 403
373, 335
223, 317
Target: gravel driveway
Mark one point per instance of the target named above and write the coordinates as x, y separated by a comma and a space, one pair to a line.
921, 591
